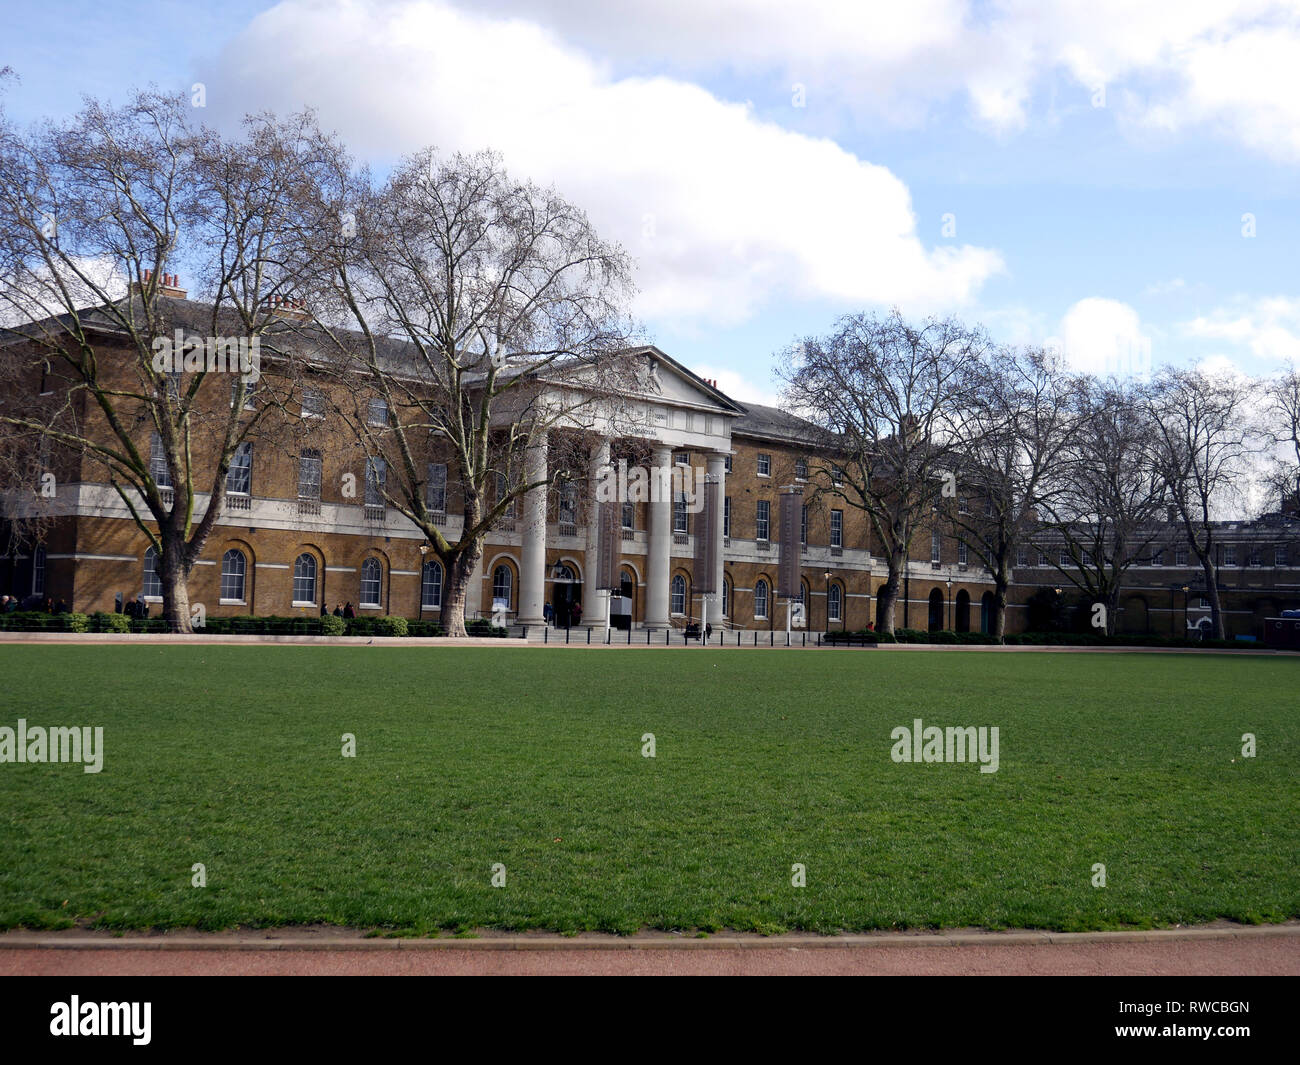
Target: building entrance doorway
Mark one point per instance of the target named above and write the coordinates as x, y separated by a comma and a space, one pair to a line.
566, 595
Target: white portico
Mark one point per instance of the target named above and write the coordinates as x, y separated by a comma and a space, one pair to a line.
667, 412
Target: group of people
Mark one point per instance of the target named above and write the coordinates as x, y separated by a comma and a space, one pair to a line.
552, 618
136, 608
10, 603
339, 611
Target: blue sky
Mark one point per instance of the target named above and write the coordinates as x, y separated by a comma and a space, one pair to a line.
773, 166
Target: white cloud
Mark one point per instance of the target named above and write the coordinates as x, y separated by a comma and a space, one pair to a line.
1268, 328
723, 211
1104, 337
1228, 64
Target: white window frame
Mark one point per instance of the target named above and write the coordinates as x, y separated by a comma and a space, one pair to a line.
763, 587
837, 528
227, 575
297, 576
764, 464
763, 520
677, 595
372, 577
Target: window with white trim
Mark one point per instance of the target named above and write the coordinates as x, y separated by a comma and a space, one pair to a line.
151, 582
760, 599
431, 585
38, 571
726, 598
763, 519
304, 579
936, 545
376, 478
629, 515
837, 528
833, 603
377, 412
678, 594
726, 516
158, 462
801, 469
313, 403
371, 579
764, 465
435, 488
803, 524
680, 521
309, 475
234, 568
502, 587
962, 553
239, 478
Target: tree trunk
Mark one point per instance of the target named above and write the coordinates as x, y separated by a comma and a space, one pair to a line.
1211, 571
174, 575
460, 570
888, 596
999, 626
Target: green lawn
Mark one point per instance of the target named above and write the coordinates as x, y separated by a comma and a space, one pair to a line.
230, 756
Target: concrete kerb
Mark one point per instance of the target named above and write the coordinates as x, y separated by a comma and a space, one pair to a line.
252, 941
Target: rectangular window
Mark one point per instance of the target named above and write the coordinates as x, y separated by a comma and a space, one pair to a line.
239, 478
1280, 555
803, 525
936, 549
568, 509
762, 520
764, 465
158, 463
988, 508
376, 476
1180, 556
309, 469
436, 488
629, 515
963, 505
313, 403
1229, 554
682, 458
726, 516
1157, 558
961, 552
503, 490
837, 528
726, 463
679, 513
837, 474
1256, 558
378, 412
1064, 557
1022, 556
801, 469
246, 387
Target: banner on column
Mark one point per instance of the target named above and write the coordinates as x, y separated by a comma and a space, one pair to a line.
790, 523
609, 522
706, 541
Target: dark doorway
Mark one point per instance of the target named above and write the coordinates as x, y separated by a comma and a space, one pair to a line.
936, 610
565, 593
962, 621
986, 613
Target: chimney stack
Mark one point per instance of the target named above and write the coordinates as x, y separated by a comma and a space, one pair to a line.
293, 307
170, 286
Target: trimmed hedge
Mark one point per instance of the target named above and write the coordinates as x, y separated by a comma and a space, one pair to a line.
39, 621
1032, 639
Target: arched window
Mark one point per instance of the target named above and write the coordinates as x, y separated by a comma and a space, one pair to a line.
834, 603
760, 599
431, 585
233, 569
502, 587
38, 571
726, 598
371, 574
679, 594
151, 583
304, 579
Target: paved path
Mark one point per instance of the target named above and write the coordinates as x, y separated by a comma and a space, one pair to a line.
1266, 951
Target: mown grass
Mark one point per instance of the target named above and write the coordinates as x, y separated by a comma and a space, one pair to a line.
230, 756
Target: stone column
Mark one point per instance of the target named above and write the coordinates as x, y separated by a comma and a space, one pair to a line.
474, 593
661, 538
594, 602
718, 473
532, 578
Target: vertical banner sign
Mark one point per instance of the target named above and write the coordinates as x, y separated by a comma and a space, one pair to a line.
787, 574
706, 546
609, 520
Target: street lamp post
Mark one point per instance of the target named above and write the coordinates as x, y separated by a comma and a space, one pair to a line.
827, 576
1185, 590
949, 583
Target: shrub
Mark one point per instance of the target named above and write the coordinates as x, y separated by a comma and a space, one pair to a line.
102, 622
332, 626
425, 628
361, 626
390, 625
77, 622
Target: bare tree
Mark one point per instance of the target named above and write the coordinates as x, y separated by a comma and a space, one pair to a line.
486, 316
886, 395
94, 214
1103, 501
1201, 454
1010, 441
1281, 426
